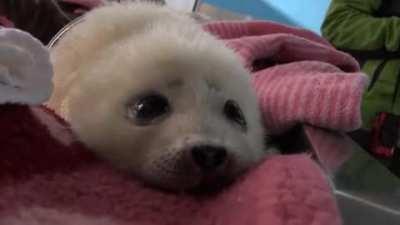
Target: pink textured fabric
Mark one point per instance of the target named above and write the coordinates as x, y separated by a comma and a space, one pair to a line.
48, 178
43, 181
84, 5
298, 76
89, 4
5, 22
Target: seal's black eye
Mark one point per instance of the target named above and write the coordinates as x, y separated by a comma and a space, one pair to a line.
233, 112
148, 108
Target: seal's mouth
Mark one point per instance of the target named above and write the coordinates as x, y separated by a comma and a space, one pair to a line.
210, 185
183, 174
194, 182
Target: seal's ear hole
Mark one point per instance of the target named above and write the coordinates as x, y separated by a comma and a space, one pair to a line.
149, 108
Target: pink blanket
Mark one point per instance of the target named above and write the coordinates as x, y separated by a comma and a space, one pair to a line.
80, 7
298, 76
46, 177
44, 181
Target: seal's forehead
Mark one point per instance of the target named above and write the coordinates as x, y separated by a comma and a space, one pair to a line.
175, 83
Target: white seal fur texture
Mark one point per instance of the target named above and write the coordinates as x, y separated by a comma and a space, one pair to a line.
147, 89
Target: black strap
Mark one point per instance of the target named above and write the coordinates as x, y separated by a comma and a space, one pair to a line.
363, 55
361, 137
396, 89
390, 130
388, 8
377, 73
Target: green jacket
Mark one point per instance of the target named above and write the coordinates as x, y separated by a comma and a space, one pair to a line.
370, 30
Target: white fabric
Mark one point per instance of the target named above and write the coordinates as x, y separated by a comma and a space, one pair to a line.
25, 68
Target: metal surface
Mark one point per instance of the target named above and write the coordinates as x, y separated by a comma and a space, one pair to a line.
65, 29
367, 192
196, 5
186, 5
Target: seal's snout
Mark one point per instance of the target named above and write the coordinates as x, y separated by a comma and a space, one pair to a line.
209, 158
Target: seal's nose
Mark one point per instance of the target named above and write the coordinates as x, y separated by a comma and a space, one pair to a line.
209, 158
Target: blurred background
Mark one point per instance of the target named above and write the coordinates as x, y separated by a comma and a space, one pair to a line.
306, 13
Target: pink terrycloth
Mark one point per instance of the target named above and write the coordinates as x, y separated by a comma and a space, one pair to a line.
5, 22
48, 178
81, 7
85, 5
89, 4
56, 184
298, 76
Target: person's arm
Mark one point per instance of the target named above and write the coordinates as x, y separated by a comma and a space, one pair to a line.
351, 25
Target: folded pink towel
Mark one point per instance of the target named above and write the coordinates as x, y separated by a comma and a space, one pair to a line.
46, 182
48, 178
298, 76
5, 22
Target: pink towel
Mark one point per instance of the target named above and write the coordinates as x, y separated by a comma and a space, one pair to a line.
48, 178
79, 7
298, 76
5, 22
45, 182
84, 5
88, 4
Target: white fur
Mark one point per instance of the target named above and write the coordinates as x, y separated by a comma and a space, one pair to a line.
120, 51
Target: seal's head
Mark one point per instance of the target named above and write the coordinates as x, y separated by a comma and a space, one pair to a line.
147, 89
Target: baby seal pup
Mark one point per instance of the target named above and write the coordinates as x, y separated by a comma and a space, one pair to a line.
147, 89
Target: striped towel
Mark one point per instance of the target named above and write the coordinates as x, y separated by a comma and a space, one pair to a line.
298, 76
